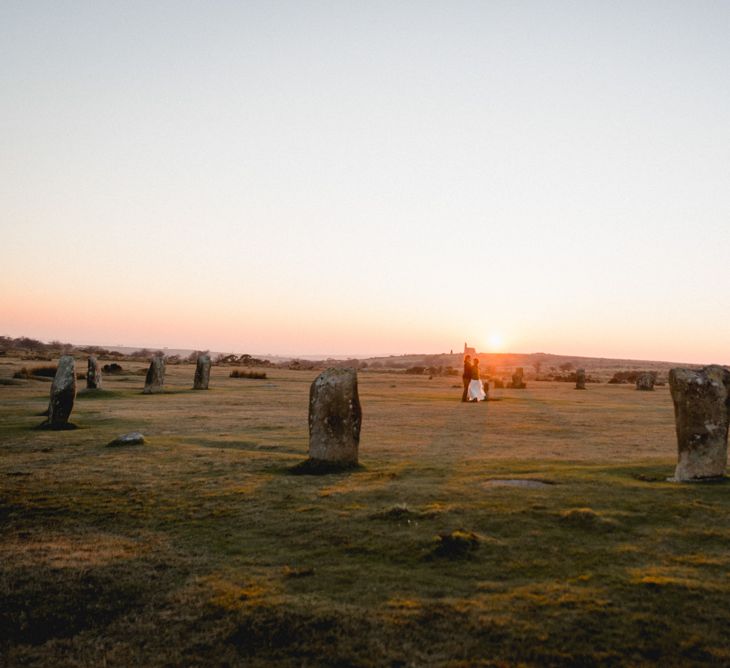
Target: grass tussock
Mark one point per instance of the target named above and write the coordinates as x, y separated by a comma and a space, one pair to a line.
458, 544
588, 519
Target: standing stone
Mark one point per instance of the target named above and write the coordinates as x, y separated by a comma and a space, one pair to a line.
63, 393
335, 417
701, 413
645, 382
155, 376
580, 379
518, 379
202, 373
93, 374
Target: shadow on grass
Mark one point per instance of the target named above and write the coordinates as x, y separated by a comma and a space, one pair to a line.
99, 394
322, 467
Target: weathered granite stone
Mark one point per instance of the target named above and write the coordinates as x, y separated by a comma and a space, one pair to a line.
702, 413
202, 373
580, 379
132, 438
63, 393
518, 379
335, 417
155, 376
645, 382
93, 374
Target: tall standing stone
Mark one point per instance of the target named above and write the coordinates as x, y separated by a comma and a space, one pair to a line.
335, 417
645, 381
63, 393
702, 413
155, 376
93, 374
202, 373
580, 379
518, 379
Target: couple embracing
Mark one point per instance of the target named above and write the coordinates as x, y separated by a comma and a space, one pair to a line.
473, 390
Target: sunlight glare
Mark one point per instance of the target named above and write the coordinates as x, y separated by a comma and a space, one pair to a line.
495, 342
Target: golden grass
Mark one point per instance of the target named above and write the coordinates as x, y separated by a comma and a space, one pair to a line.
200, 548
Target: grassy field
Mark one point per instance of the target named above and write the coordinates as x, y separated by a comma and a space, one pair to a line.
200, 547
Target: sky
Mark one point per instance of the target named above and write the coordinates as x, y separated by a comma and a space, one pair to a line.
373, 177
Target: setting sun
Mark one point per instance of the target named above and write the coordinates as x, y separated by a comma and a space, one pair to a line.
495, 342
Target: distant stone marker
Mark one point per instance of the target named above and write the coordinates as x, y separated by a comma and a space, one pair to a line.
335, 417
518, 379
63, 393
580, 379
202, 373
702, 413
645, 382
93, 374
155, 376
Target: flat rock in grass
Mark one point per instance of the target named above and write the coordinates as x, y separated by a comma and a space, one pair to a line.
517, 482
132, 438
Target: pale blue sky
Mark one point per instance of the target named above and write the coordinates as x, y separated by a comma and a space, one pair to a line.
368, 177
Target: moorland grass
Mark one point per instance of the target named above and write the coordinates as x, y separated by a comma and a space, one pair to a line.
201, 548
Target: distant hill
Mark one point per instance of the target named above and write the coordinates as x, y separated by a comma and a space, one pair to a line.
535, 365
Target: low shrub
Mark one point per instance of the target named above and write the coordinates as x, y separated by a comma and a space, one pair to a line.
257, 375
622, 377
112, 368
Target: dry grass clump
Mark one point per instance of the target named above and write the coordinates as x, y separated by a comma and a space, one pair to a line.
36, 372
587, 518
256, 375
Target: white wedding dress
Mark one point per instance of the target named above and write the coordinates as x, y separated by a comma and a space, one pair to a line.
476, 391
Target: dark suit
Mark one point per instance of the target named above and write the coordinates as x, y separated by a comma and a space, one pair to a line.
466, 379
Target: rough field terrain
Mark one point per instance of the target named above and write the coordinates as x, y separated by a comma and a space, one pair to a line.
200, 547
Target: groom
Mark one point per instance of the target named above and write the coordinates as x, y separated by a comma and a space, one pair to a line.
466, 376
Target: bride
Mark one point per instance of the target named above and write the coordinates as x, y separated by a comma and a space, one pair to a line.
476, 391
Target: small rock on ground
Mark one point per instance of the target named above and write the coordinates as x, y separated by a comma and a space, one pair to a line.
132, 438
